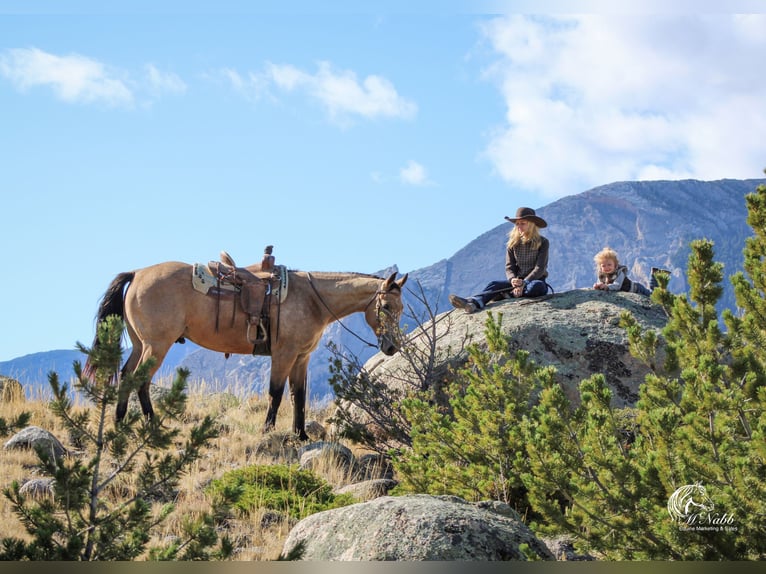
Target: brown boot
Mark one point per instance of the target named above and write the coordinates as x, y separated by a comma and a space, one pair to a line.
466, 305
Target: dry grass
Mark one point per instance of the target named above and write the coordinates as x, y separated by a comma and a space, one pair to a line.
240, 419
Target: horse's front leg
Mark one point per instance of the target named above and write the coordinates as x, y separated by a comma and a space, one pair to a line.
298, 376
276, 390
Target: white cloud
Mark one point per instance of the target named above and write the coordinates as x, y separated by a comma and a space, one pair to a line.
598, 98
414, 174
78, 79
164, 82
289, 77
340, 92
234, 78
72, 78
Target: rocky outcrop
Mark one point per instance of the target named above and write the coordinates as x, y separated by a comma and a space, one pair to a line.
416, 528
577, 332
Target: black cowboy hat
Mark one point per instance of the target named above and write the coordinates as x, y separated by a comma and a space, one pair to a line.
529, 214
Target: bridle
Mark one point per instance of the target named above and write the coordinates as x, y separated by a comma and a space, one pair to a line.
379, 310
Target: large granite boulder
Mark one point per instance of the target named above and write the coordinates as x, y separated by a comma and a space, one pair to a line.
416, 527
577, 332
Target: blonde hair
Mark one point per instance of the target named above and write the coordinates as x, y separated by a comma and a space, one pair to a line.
604, 254
533, 236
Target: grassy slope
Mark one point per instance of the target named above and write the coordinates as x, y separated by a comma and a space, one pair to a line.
240, 418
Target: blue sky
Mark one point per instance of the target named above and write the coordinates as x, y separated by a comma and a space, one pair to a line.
349, 138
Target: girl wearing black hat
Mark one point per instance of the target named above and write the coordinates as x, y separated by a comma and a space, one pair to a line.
526, 264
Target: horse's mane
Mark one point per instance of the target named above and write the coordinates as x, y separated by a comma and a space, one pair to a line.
337, 274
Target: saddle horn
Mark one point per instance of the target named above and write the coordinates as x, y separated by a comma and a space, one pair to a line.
226, 258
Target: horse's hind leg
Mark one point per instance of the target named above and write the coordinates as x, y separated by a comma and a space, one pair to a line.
141, 353
158, 352
123, 393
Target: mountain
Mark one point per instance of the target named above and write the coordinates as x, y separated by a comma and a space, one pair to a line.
649, 224
32, 370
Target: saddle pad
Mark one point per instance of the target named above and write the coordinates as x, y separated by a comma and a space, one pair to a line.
281, 272
203, 280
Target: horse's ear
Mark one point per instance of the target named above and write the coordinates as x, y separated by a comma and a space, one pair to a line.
387, 283
402, 281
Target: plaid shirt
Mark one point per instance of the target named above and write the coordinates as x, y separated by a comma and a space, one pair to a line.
527, 263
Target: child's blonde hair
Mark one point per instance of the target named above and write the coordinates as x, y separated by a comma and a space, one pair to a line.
606, 253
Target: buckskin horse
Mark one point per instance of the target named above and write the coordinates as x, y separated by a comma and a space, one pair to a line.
159, 306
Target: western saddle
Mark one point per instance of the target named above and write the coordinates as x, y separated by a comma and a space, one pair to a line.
255, 291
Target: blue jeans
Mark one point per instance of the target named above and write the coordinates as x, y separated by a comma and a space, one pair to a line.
497, 290
640, 288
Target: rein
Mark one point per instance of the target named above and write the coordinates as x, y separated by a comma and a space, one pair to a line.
509, 289
334, 316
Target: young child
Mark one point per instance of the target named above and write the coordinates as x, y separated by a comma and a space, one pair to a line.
614, 277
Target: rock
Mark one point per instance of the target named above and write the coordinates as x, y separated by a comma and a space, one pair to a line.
417, 527
279, 446
10, 390
577, 332
36, 437
563, 549
38, 488
499, 507
312, 455
368, 489
316, 430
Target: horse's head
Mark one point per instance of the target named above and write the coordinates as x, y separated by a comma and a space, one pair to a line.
700, 499
688, 500
383, 316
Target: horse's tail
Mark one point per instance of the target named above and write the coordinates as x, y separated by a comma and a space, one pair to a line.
113, 303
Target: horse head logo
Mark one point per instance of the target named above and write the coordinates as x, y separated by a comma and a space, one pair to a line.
687, 500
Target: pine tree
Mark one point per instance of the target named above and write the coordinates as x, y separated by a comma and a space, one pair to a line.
604, 474
85, 519
474, 447
700, 419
